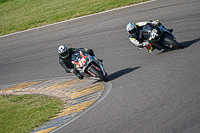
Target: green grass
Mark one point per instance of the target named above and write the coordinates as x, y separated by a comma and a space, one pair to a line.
3, 1
22, 113
18, 15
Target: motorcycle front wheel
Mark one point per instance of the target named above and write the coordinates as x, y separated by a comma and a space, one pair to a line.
98, 74
171, 43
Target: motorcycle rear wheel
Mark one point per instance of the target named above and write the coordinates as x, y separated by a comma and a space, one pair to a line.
98, 74
171, 42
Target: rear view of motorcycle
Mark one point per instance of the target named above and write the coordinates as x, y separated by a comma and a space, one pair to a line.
89, 66
160, 38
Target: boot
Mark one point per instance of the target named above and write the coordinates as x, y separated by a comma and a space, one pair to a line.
170, 30
151, 49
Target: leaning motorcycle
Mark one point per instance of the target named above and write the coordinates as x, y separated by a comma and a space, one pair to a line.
89, 66
160, 38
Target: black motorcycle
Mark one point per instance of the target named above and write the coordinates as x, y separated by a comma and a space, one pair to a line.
160, 37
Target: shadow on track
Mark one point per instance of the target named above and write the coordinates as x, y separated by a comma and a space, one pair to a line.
189, 43
184, 44
121, 72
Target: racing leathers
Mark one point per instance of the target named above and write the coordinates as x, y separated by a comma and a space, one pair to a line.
66, 63
138, 39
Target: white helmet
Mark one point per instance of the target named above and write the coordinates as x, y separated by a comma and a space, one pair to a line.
63, 51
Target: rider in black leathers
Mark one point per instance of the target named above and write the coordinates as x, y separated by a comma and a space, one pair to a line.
65, 55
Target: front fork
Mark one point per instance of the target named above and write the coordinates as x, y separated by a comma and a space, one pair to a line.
103, 70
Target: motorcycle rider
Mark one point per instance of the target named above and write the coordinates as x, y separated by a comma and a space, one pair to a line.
136, 35
65, 55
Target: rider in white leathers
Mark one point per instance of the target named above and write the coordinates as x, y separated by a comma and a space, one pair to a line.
136, 36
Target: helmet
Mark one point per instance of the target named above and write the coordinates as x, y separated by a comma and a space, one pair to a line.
131, 28
63, 51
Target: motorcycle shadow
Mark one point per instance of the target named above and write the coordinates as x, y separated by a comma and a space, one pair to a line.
189, 43
119, 73
184, 44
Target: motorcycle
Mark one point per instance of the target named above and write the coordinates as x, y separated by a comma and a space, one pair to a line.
160, 38
89, 66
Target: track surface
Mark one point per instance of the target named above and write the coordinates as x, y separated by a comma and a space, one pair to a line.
157, 92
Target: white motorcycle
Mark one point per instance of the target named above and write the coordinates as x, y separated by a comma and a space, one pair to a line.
89, 66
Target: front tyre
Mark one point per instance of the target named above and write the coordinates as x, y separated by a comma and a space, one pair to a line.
98, 74
171, 43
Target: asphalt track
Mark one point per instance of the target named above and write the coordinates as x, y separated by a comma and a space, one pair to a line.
157, 92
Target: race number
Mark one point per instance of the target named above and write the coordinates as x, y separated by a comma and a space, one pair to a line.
82, 61
154, 33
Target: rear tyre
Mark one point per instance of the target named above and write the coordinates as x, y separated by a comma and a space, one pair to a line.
171, 42
98, 74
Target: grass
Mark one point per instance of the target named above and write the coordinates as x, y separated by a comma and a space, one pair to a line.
25, 112
18, 15
22, 113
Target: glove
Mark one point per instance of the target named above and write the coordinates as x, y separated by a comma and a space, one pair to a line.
155, 23
145, 43
90, 51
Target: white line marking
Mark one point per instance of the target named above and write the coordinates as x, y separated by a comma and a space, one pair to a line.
108, 87
78, 18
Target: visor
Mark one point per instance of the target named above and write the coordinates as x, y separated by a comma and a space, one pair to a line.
63, 54
132, 31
